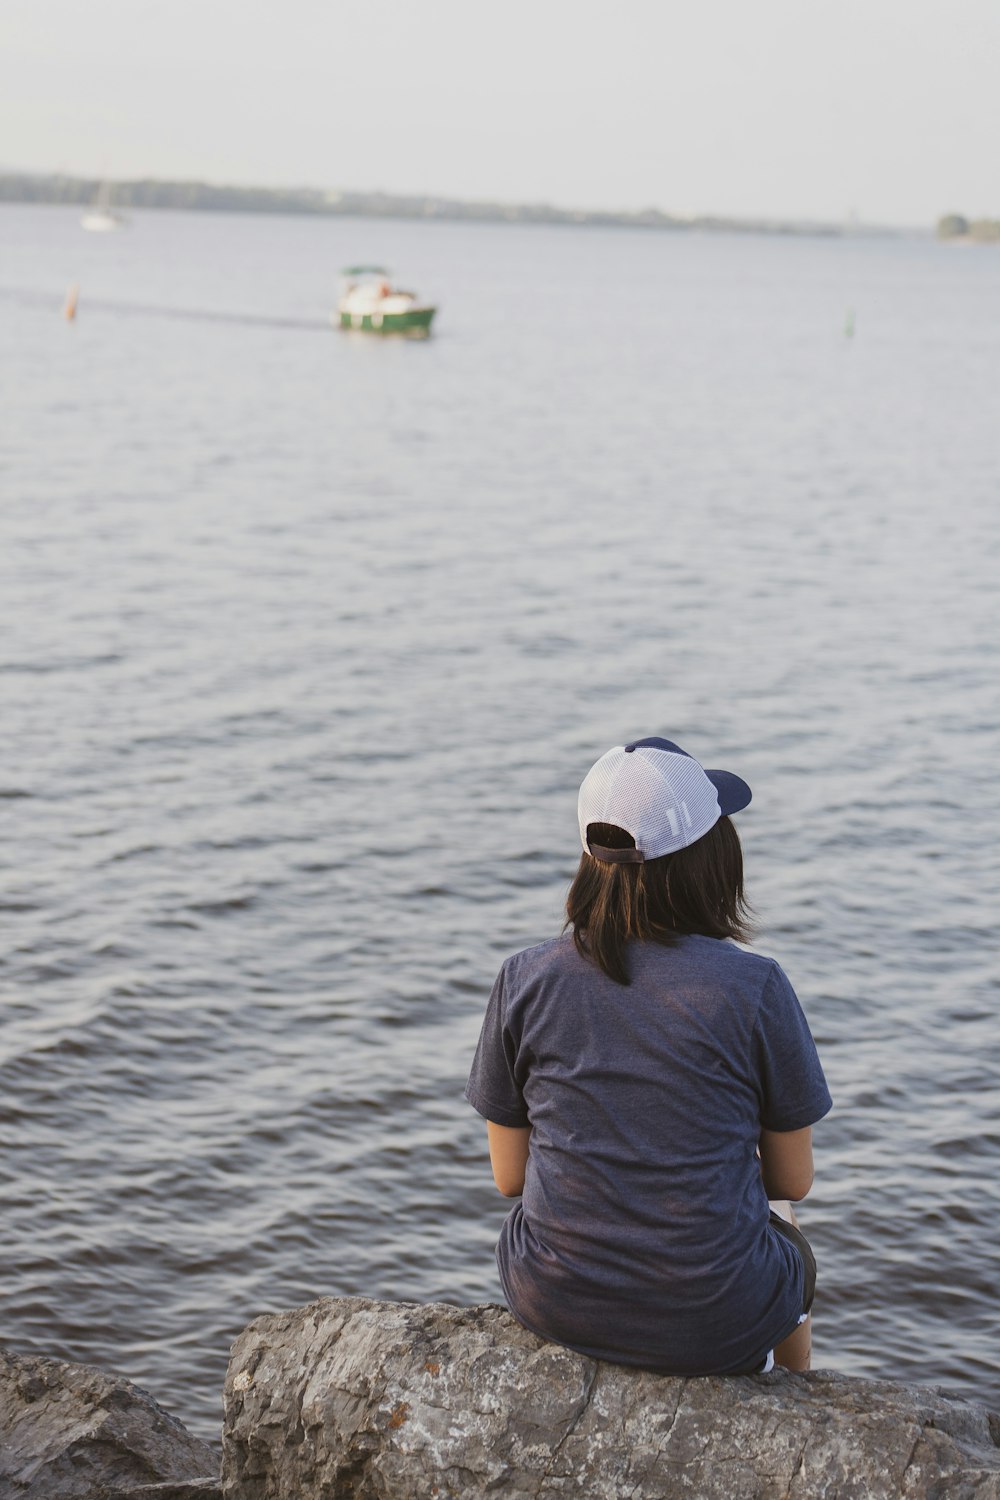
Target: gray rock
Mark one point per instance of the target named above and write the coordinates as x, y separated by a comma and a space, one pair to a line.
182, 1489
351, 1399
72, 1432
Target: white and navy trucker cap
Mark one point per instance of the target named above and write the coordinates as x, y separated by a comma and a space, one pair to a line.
657, 793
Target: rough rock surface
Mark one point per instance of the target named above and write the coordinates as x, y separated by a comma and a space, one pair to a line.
72, 1432
351, 1399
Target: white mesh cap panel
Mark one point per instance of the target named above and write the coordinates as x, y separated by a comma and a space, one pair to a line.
665, 801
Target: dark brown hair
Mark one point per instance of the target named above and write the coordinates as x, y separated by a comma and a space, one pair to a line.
697, 890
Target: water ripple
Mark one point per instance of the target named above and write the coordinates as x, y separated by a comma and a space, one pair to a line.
316, 639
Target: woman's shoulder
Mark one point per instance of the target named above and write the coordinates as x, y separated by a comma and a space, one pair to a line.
721, 957
553, 954
539, 955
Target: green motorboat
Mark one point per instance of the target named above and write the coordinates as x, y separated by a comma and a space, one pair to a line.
370, 303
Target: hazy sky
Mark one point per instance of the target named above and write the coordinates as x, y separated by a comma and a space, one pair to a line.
810, 108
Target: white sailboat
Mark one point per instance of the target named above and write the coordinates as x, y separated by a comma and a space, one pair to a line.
101, 218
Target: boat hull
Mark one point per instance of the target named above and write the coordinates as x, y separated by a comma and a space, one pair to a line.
416, 320
99, 222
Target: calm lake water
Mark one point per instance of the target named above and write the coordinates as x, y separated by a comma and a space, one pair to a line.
306, 641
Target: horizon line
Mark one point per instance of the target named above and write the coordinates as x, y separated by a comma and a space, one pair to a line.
428, 205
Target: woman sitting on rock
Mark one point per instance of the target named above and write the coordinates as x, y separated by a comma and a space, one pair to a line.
648, 1086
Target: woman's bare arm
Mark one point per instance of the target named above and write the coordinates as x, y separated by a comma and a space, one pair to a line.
786, 1162
508, 1156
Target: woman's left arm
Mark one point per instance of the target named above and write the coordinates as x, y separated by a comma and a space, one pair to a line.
508, 1156
786, 1163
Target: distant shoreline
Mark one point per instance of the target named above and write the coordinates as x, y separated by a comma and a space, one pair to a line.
54, 188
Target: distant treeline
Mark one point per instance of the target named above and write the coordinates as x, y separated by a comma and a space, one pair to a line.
17, 187
956, 227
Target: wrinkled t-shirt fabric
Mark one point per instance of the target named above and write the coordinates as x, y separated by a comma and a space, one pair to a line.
642, 1234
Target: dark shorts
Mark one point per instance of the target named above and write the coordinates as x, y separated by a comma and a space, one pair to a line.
802, 1245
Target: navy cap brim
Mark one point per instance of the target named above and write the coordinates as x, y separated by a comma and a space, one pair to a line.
733, 792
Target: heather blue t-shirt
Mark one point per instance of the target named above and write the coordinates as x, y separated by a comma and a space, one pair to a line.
642, 1234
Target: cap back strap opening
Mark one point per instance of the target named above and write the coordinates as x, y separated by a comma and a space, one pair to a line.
616, 856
